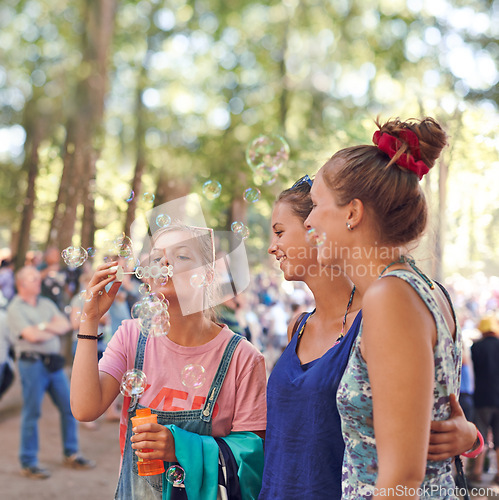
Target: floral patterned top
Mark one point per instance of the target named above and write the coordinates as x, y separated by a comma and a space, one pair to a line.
354, 399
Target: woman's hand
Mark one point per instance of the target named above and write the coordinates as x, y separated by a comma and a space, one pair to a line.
157, 439
100, 300
452, 436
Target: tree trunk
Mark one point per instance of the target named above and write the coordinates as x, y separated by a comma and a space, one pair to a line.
140, 128
75, 185
34, 137
84, 131
283, 98
101, 14
443, 172
238, 211
88, 221
135, 188
170, 188
60, 204
140, 163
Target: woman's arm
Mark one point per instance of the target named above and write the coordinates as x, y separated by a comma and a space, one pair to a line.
159, 439
92, 391
397, 344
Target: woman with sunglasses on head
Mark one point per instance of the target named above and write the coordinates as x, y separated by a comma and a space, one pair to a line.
405, 363
205, 384
304, 445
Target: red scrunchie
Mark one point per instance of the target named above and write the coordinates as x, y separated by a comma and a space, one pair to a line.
390, 145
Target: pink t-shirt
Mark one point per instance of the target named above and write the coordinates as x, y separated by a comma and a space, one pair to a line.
241, 404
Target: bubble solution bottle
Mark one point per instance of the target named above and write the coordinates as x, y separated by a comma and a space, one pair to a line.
146, 466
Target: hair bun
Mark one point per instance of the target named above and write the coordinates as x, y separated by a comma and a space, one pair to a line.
423, 139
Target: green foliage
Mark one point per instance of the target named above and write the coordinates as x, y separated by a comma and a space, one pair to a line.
191, 83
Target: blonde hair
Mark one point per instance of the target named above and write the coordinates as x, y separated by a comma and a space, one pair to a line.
206, 244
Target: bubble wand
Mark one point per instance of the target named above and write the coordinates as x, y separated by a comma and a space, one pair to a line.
145, 272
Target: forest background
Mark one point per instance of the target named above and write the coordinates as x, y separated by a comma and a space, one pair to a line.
100, 98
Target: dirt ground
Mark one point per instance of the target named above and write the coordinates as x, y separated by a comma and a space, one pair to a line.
101, 445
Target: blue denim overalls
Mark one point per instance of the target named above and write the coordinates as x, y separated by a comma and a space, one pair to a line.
131, 486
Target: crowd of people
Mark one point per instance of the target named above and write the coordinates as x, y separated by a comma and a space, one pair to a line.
346, 385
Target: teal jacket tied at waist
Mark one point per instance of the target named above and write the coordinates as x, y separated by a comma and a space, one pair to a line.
198, 456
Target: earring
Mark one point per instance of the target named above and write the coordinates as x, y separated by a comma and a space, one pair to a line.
349, 226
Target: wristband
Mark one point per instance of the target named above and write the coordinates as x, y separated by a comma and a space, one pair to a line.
90, 337
477, 447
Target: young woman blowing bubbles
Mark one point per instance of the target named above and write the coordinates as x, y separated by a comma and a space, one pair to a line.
304, 446
231, 405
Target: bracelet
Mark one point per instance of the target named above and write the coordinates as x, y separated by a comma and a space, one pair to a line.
90, 337
477, 447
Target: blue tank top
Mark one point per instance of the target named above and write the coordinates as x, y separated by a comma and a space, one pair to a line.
303, 442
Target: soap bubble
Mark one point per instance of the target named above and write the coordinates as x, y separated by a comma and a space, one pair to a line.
315, 238
193, 376
212, 189
251, 195
135, 310
268, 151
74, 257
91, 252
197, 280
151, 304
123, 247
163, 220
175, 474
262, 175
149, 197
159, 324
129, 263
152, 313
86, 295
144, 288
240, 229
133, 383
131, 197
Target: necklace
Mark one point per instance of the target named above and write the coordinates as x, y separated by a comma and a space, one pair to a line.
342, 333
407, 260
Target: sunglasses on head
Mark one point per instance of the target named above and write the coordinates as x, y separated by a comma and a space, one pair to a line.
299, 182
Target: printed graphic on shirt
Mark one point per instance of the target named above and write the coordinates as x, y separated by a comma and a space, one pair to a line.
168, 399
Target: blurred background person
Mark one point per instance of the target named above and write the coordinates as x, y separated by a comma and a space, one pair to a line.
36, 325
7, 373
59, 283
485, 356
7, 284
